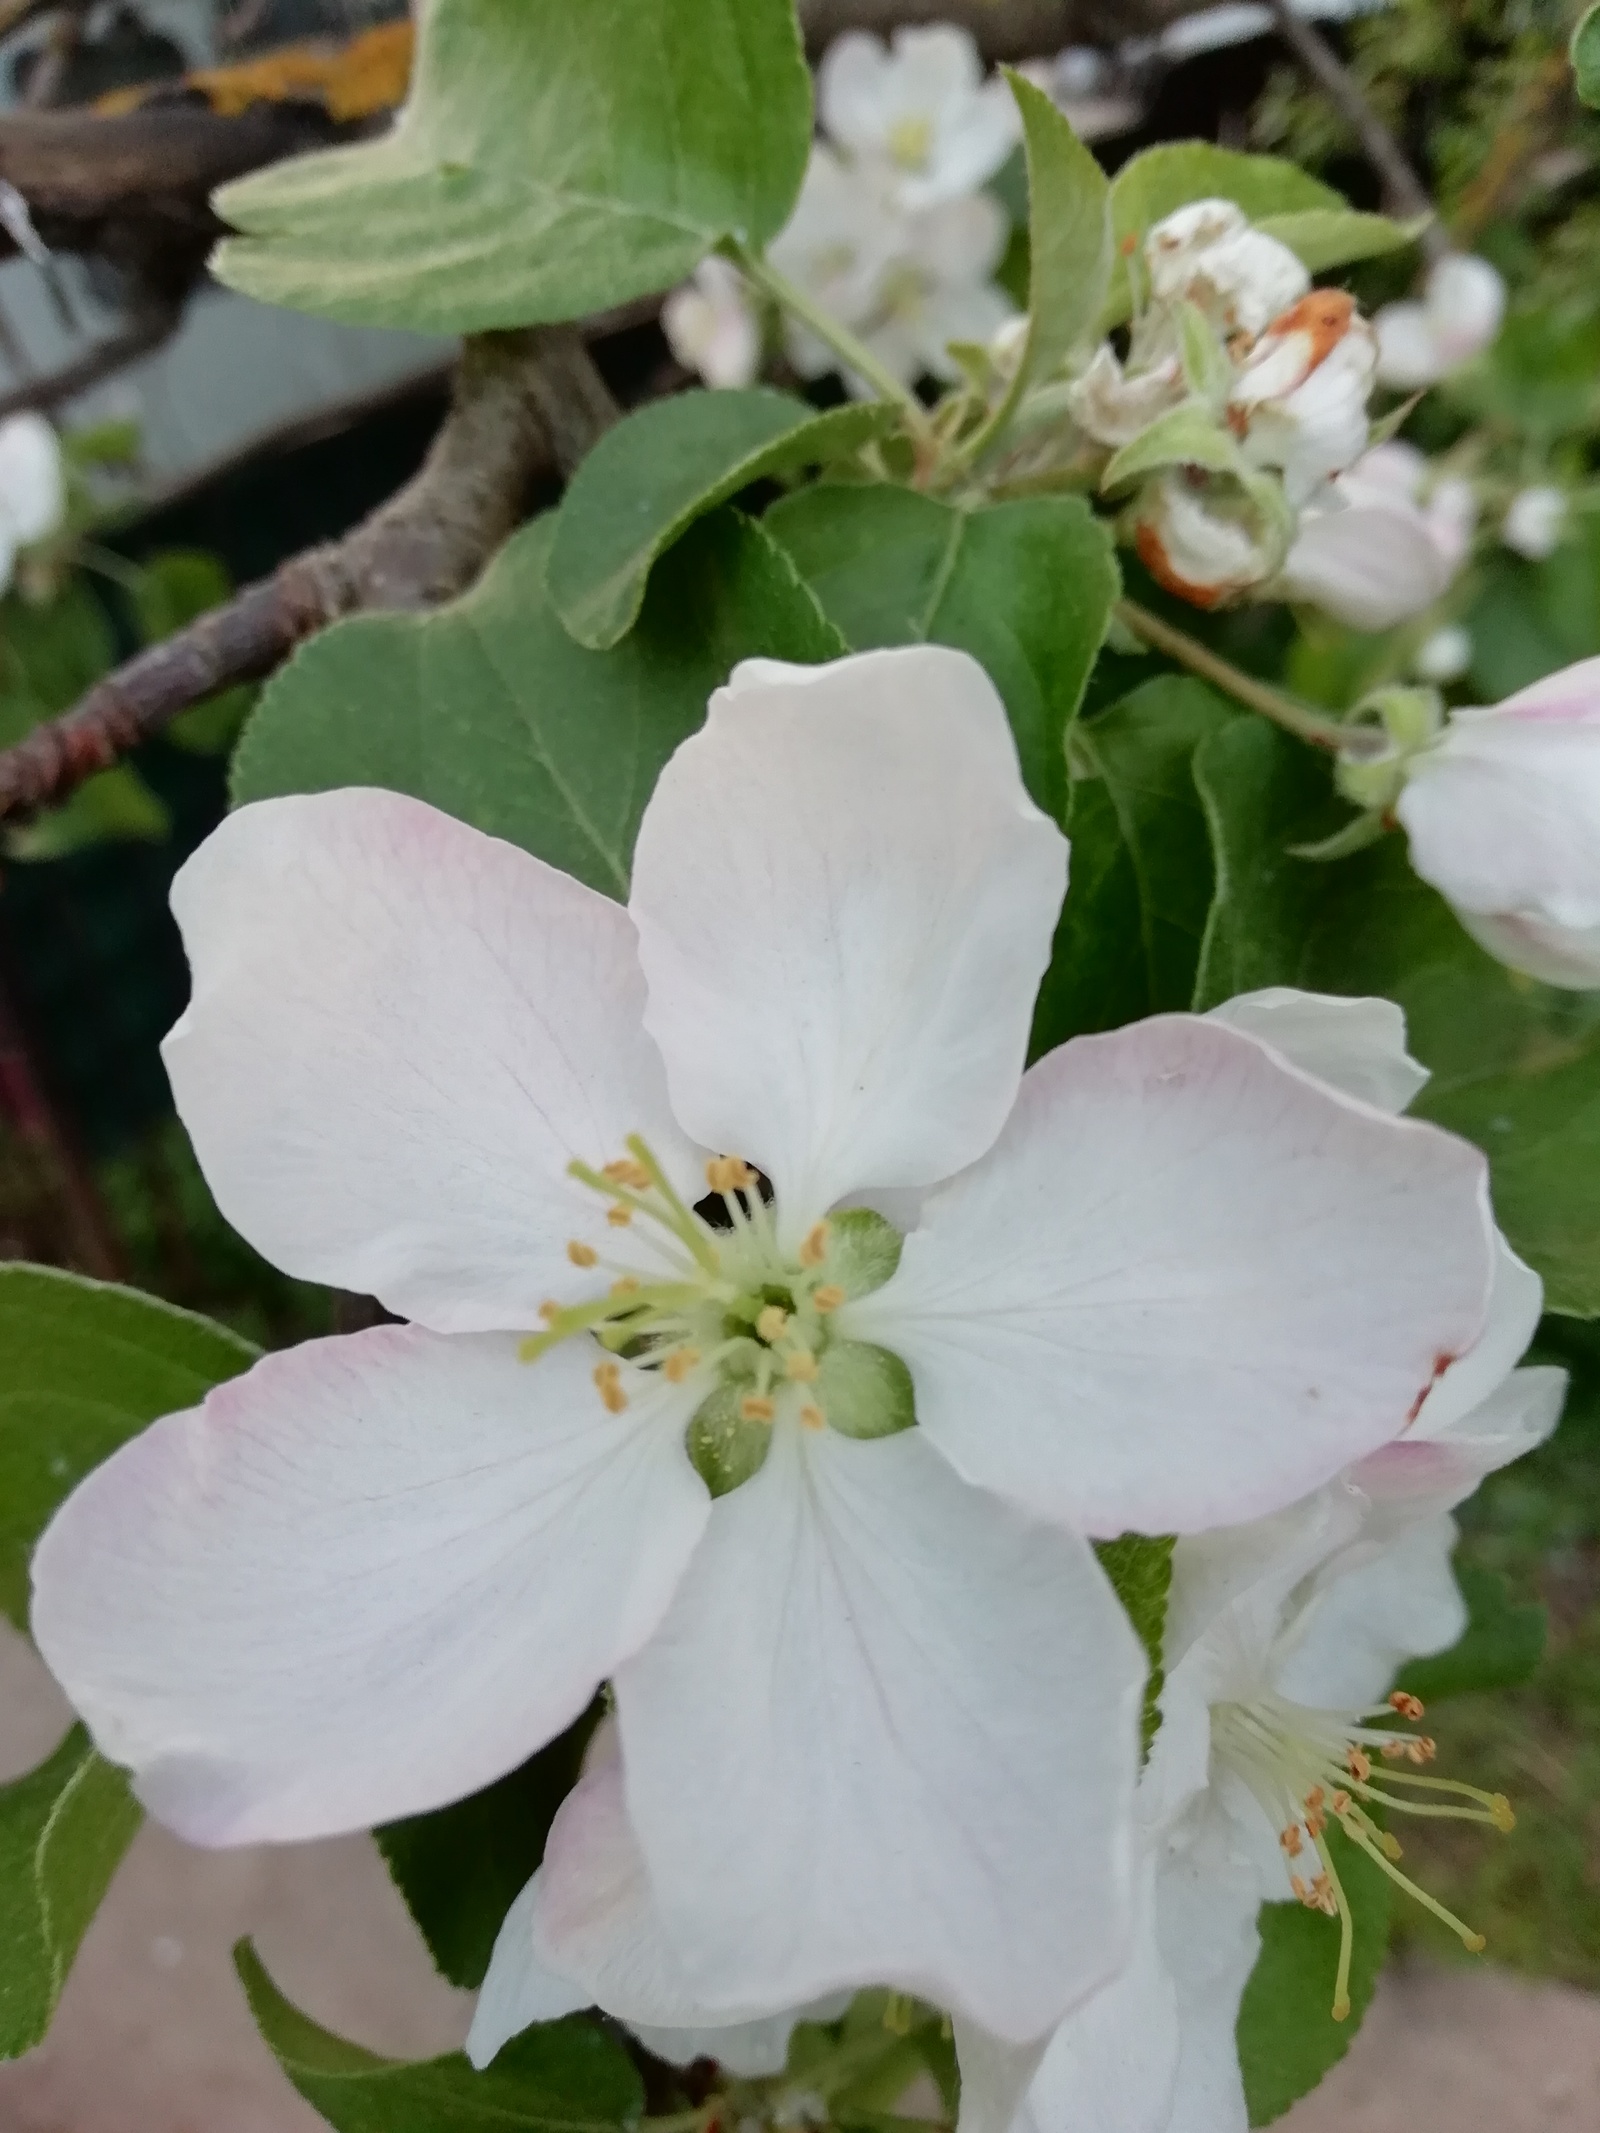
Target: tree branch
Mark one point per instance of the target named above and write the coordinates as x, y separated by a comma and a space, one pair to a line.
93, 366
1404, 193
523, 401
1005, 29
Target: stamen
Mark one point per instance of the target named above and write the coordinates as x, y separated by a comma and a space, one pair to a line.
1291, 1840
679, 1364
619, 1217
828, 1298
771, 1322
812, 1416
1408, 1706
728, 1175
628, 1285
633, 1175
549, 1311
608, 1382
1359, 1764
756, 1407
582, 1254
815, 1247
800, 1367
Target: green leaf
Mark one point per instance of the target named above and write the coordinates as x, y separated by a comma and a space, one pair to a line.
663, 467
1026, 588
551, 160
63, 1831
1188, 436
1585, 51
1500, 1647
1323, 237
1287, 2036
461, 1869
1156, 183
487, 709
1140, 1569
1069, 223
559, 2077
84, 1367
115, 807
1141, 880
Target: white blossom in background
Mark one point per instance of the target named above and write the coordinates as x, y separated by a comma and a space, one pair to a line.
33, 490
1383, 542
1503, 814
1536, 521
1283, 1639
712, 327
920, 109
1445, 656
375, 1573
1209, 254
1457, 317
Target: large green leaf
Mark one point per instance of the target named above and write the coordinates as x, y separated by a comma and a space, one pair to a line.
460, 1870
560, 2077
487, 708
1069, 228
1140, 885
666, 465
551, 160
1515, 1065
63, 1831
84, 1367
1287, 2036
1026, 588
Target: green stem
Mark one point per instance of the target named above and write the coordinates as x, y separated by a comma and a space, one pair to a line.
1244, 688
853, 354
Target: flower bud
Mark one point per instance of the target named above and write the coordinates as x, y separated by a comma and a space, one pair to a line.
1503, 814
1445, 656
1457, 318
1369, 552
1114, 406
1204, 541
711, 327
1208, 254
1535, 522
1300, 401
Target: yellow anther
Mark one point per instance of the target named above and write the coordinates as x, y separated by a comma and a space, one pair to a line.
1389, 1845
1500, 1811
1291, 1840
756, 1407
1423, 1750
1475, 1943
1302, 1893
1340, 1803
627, 1286
729, 1173
815, 1248
582, 1254
1315, 1798
629, 1173
828, 1298
771, 1322
800, 1368
549, 1312
1407, 1705
1359, 1765
608, 1383
812, 1416
679, 1364
619, 1217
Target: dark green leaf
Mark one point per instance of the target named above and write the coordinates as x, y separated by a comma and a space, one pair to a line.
84, 1367
1323, 237
1140, 1568
1069, 222
487, 709
1026, 588
560, 2077
1141, 879
551, 160
461, 1869
1586, 56
1500, 1647
663, 467
1287, 2036
63, 1831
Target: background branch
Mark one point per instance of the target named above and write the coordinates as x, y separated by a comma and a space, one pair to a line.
1005, 29
523, 402
95, 365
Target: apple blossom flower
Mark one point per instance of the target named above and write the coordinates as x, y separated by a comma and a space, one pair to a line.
797, 1486
1204, 540
1283, 1639
1503, 813
919, 108
1445, 656
834, 247
1534, 522
1113, 404
1457, 318
1300, 401
1372, 549
33, 497
1208, 254
712, 327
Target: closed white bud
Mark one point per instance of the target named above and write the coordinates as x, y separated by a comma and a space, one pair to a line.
1535, 522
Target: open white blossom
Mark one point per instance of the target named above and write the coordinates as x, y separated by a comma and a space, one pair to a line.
1535, 521
712, 328
1503, 815
1300, 401
33, 495
1457, 318
1165, 1281
1283, 1639
1210, 255
920, 109
1382, 542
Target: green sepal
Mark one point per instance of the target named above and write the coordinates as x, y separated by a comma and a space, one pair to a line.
865, 1391
724, 1448
863, 1251
1187, 436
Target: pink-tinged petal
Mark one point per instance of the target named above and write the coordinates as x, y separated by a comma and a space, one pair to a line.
1413, 1476
367, 1578
519, 1990
887, 1733
1516, 1301
1186, 1286
401, 1033
845, 902
1358, 1046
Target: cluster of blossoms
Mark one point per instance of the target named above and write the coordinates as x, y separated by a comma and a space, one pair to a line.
777, 1345
893, 235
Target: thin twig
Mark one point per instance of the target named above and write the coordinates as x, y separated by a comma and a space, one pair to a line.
522, 401
92, 367
1404, 192
1538, 111
1304, 724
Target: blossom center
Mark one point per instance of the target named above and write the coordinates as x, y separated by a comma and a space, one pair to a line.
708, 1297
911, 140
1307, 1768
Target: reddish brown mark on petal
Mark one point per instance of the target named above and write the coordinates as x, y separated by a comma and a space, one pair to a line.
1324, 317
1441, 1363
1153, 555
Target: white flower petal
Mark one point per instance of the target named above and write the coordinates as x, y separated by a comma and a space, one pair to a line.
1466, 301
519, 1990
1360, 1630
845, 901
1187, 1284
849, 1745
1515, 1303
1409, 354
1368, 565
1415, 1477
1207, 1903
33, 489
1358, 1046
1568, 956
994, 2077
401, 1033
365, 1579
